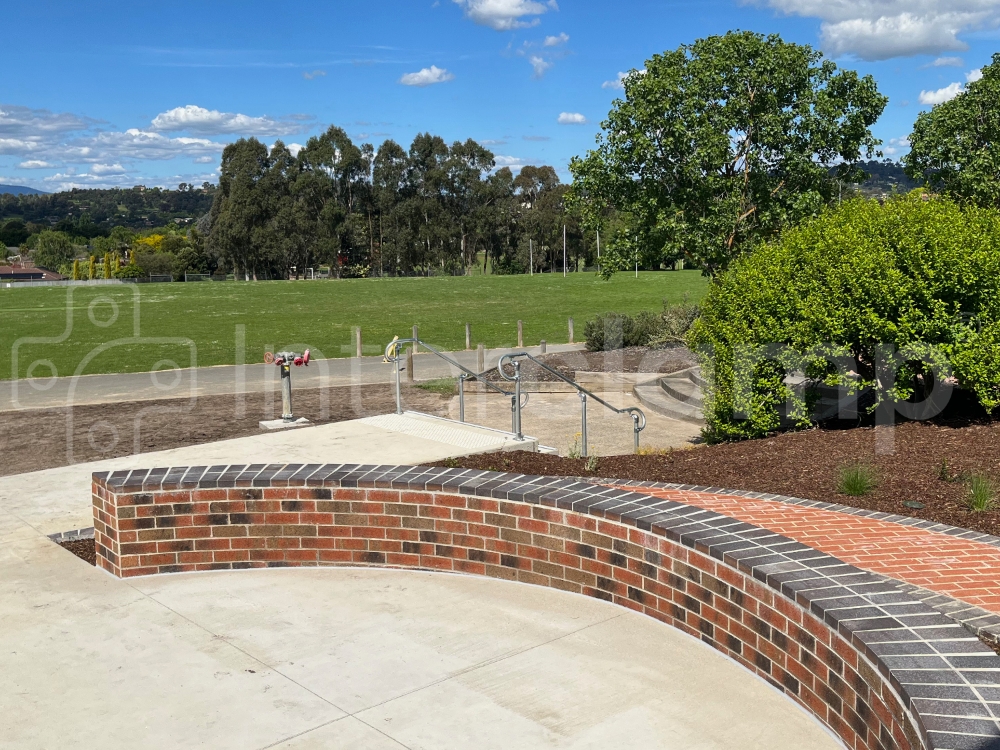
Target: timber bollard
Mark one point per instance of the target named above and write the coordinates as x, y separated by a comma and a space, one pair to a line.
409, 363
541, 345
357, 342
520, 334
480, 358
571, 330
468, 337
416, 337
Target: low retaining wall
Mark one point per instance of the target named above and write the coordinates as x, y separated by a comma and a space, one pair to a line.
879, 668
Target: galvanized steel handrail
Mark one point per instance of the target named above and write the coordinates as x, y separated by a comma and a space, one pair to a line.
393, 353
637, 414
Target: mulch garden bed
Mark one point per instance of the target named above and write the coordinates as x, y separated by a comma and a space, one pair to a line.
633, 359
85, 549
929, 464
36, 439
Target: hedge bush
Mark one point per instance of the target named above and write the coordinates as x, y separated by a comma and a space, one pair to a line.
918, 274
616, 330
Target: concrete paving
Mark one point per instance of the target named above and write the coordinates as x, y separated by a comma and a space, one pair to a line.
340, 658
41, 392
554, 419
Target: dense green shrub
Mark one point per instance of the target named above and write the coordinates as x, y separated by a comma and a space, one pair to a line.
918, 275
131, 271
616, 330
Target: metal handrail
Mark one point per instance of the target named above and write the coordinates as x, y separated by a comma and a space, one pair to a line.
637, 414
393, 353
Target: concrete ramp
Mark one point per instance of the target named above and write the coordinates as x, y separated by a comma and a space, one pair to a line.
469, 438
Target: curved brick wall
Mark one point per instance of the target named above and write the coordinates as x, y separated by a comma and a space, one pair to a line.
879, 668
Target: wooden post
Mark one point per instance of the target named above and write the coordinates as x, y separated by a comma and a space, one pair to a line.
468, 337
416, 335
409, 364
571, 330
520, 334
480, 358
542, 345
357, 342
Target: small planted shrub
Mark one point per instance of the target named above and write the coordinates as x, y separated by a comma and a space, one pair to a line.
612, 331
982, 493
856, 479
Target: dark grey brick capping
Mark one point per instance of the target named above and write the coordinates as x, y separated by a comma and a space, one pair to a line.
948, 681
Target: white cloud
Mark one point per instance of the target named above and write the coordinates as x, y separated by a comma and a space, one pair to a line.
896, 146
505, 15
946, 62
883, 29
951, 90
23, 121
427, 77
35, 164
103, 169
571, 118
618, 83
941, 95
540, 65
194, 119
492, 142
204, 160
309, 75
555, 41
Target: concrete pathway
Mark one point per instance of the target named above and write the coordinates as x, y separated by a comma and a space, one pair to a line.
41, 392
340, 658
554, 418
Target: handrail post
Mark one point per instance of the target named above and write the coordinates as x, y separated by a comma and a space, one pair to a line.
461, 397
583, 431
399, 398
635, 430
517, 400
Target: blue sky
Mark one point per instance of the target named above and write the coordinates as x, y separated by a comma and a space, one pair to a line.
105, 93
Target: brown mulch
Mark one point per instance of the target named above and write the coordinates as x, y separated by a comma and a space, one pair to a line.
36, 439
85, 549
928, 463
633, 359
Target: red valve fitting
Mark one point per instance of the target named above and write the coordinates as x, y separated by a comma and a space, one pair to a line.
305, 358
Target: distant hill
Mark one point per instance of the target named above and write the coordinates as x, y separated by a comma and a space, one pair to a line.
20, 190
102, 209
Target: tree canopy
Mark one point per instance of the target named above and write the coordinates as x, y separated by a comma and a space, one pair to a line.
955, 146
722, 143
431, 208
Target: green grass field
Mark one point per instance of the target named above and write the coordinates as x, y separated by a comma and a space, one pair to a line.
90, 330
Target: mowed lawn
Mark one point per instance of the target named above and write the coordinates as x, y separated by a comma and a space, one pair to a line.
143, 327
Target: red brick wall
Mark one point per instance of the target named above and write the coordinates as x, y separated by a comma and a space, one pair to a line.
143, 533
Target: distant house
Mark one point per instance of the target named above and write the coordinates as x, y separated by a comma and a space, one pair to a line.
26, 271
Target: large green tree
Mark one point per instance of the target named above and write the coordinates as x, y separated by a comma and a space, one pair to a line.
52, 249
721, 144
955, 146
